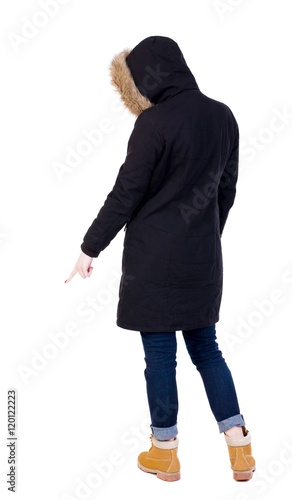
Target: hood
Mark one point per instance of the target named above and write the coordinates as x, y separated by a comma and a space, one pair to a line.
151, 73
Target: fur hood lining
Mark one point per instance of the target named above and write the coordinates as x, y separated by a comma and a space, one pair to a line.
122, 80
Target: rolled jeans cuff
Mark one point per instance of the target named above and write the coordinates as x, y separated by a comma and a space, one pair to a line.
226, 424
162, 433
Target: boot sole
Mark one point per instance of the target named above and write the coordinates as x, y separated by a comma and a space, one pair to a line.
243, 475
165, 476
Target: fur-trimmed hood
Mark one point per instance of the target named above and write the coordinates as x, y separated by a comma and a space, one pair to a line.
152, 72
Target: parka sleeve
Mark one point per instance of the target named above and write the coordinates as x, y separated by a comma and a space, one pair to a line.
228, 181
143, 153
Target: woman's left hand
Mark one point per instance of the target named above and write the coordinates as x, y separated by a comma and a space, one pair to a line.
82, 267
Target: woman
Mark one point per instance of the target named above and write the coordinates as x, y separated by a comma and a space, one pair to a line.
173, 192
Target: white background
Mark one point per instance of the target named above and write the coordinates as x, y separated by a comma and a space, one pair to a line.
82, 406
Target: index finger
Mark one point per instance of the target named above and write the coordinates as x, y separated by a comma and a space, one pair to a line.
71, 276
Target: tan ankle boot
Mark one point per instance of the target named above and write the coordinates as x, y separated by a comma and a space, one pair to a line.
240, 454
161, 460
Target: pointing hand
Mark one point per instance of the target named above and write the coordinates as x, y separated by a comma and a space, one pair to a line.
82, 267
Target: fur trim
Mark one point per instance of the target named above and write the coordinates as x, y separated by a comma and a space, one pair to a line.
122, 80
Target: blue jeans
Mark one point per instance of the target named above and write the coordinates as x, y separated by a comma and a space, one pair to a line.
160, 374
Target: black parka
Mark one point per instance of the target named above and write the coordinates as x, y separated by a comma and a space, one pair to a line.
172, 193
